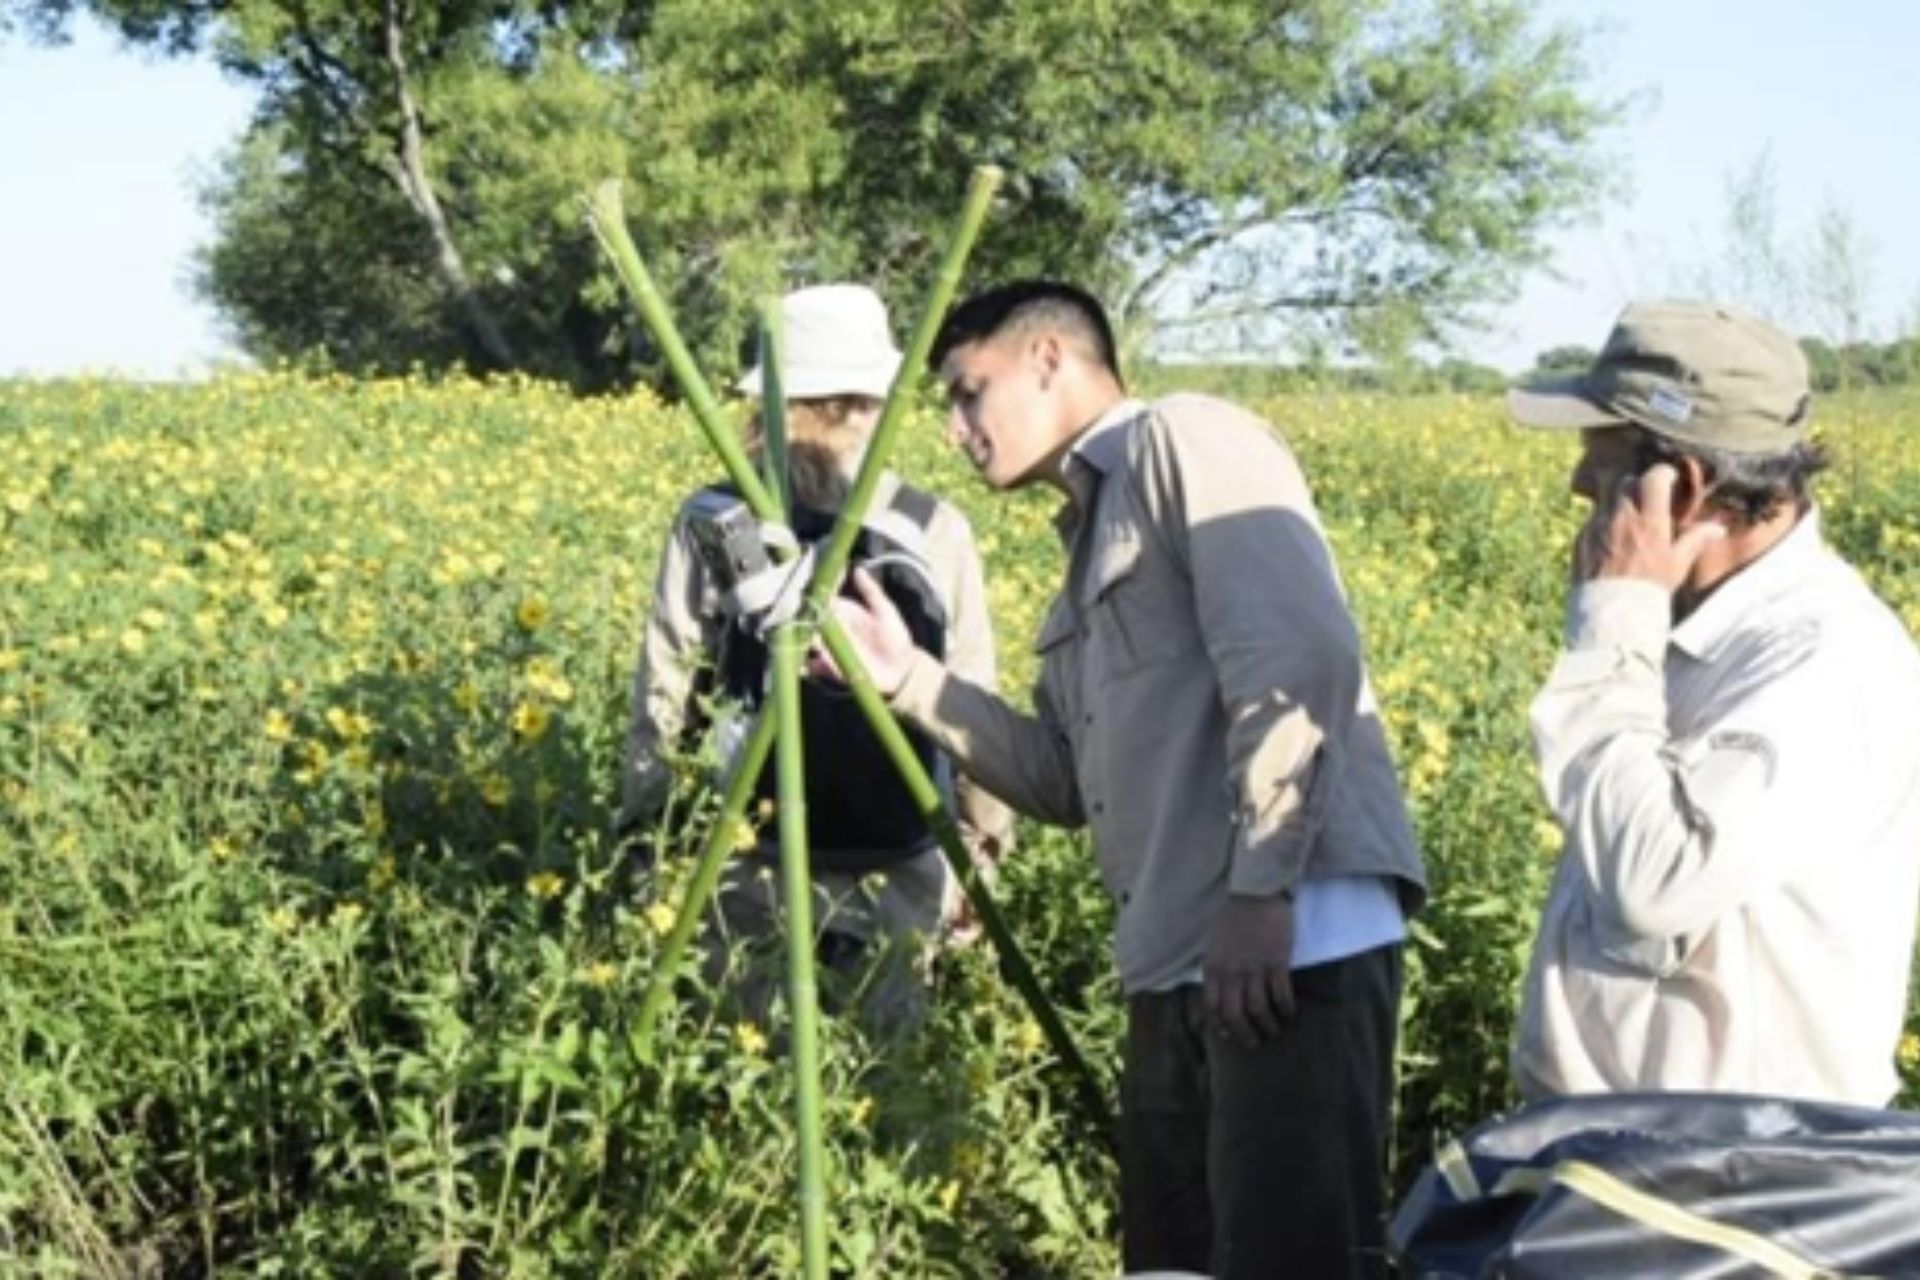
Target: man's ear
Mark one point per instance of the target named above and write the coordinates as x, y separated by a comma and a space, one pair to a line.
1691, 486
1047, 355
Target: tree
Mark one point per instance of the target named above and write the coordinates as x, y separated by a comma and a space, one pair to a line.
1839, 271
1217, 168
1560, 362
1229, 174
1758, 268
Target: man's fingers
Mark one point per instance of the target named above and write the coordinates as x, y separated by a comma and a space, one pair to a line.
1280, 992
1237, 1006
1223, 1003
1654, 495
1692, 544
1264, 1013
870, 590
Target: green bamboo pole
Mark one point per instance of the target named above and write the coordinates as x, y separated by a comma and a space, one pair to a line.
773, 408
1013, 962
706, 878
796, 878
606, 215
789, 642
831, 565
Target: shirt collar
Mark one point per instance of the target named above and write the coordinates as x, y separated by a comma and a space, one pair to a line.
1094, 452
1789, 561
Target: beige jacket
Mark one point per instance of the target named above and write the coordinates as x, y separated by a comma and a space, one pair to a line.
1202, 704
684, 626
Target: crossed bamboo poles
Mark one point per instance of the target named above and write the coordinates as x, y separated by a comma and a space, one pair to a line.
778, 725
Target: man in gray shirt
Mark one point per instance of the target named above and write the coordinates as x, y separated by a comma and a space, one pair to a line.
1203, 707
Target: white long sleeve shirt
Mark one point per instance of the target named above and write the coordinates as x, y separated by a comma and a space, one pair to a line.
1740, 796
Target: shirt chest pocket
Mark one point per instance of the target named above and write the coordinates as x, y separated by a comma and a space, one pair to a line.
1136, 605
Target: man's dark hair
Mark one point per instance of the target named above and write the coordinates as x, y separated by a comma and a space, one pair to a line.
1030, 305
1749, 487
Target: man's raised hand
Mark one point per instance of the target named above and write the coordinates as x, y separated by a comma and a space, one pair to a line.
878, 632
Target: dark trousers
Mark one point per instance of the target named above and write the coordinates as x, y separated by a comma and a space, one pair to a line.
1262, 1163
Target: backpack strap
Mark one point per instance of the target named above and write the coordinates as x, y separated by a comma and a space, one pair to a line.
916, 505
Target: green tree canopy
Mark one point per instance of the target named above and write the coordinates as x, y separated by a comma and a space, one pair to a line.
1227, 173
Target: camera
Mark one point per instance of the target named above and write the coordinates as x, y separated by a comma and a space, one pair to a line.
729, 543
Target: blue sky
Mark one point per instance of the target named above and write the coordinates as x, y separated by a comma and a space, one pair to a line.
99, 148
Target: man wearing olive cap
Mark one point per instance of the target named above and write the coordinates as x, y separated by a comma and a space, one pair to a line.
1730, 743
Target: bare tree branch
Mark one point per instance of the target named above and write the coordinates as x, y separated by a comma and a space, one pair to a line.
410, 171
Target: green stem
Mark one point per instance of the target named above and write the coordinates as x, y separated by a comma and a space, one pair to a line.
706, 878
803, 992
832, 563
932, 806
609, 222
773, 406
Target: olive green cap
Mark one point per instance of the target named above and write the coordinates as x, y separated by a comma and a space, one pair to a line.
1695, 372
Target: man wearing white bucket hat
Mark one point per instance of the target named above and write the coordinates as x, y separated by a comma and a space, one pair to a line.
882, 888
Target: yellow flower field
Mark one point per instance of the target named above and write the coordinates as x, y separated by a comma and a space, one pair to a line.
317, 958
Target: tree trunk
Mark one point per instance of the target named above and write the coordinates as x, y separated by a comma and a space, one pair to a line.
410, 171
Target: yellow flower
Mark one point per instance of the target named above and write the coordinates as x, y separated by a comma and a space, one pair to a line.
350, 725
545, 678
751, 1040
283, 920
1029, 1037
1909, 1052
745, 838
220, 848
531, 720
495, 790
133, 640
600, 974
277, 727
862, 1108
546, 884
950, 1195
533, 613
660, 918
466, 696
346, 913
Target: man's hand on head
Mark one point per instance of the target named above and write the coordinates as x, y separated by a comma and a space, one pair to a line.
1635, 536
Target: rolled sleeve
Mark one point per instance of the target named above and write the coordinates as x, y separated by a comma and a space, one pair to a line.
1026, 760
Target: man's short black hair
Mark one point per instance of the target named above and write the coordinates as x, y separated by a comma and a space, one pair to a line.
1029, 304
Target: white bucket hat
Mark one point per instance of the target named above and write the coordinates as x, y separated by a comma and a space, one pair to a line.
836, 344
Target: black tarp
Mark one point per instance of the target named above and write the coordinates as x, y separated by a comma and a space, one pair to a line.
1680, 1186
